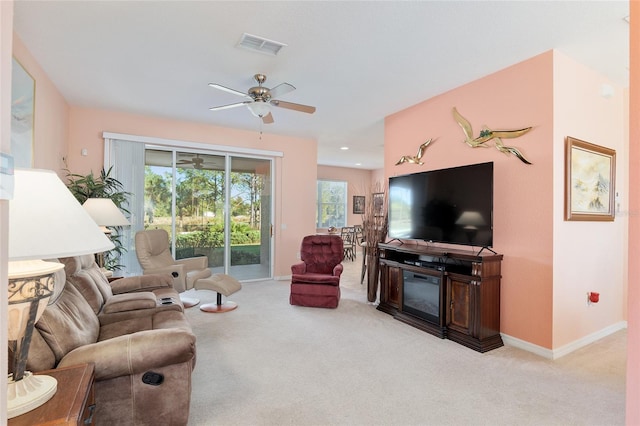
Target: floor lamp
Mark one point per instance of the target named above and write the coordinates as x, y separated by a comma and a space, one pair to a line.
105, 213
45, 222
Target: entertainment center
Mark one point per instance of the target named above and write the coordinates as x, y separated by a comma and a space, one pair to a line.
453, 294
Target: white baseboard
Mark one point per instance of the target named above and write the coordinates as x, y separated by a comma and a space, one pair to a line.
566, 349
282, 278
526, 346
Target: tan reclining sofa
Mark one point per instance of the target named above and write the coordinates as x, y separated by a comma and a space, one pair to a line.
126, 328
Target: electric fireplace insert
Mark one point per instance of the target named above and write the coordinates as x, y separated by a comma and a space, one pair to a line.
422, 296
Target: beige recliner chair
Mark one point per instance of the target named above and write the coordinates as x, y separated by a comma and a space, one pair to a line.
154, 255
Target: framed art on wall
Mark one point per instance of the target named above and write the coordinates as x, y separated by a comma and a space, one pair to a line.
23, 90
378, 203
589, 181
358, 204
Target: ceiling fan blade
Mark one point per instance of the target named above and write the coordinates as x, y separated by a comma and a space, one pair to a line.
226, 89
281, 89
237, 104
296, 107
267, 119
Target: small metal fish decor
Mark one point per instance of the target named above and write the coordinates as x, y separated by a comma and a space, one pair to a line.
487, 135
415, 159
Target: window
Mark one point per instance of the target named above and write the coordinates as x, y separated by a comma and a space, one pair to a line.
331, 206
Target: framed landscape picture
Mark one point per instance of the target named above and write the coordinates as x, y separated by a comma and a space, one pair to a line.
589, 181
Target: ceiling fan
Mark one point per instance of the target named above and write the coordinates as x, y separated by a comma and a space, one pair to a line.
259, 99
197, 162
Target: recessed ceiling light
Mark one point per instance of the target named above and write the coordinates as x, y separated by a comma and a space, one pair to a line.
260, 44
344, 148
358, 164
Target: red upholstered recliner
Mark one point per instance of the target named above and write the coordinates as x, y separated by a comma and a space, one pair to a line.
315, 281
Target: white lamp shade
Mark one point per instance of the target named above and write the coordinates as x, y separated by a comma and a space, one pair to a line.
471, 218
46, 221
104, 212
259, 108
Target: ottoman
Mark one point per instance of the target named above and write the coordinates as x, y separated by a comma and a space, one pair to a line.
222, 284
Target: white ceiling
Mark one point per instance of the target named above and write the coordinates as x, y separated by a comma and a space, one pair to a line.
356, 61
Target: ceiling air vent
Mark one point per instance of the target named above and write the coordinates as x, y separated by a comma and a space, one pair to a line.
260, 44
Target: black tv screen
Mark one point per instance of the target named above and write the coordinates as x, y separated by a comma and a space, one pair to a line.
452, 205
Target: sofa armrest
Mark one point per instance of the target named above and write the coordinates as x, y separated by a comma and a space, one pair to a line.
130, 302
141, 283
299, 268
135, 353
194, 263
337, 270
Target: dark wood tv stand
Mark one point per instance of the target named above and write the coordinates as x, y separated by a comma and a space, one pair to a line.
469, 298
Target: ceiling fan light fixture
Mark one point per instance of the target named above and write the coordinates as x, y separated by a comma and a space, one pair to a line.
260, 44
259, 108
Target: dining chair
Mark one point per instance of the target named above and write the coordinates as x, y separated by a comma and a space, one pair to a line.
348, 235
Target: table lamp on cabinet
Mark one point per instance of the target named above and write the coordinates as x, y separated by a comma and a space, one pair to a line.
45, 222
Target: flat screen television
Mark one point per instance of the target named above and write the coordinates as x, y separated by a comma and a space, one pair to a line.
453, 205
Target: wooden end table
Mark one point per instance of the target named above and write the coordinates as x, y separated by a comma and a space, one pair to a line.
72, 404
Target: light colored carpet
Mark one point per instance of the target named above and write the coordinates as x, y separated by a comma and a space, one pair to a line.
270, 363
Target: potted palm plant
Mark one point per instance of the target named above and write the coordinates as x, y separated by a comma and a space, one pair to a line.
103, 185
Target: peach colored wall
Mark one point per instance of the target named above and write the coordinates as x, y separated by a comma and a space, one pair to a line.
6, 33
295, 175
588, 256
51, 115
378, 177
633, 332
358, 183
513, 98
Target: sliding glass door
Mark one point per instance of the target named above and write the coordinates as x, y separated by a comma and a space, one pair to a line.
213, 200
189, 193
250, 218
212, 204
